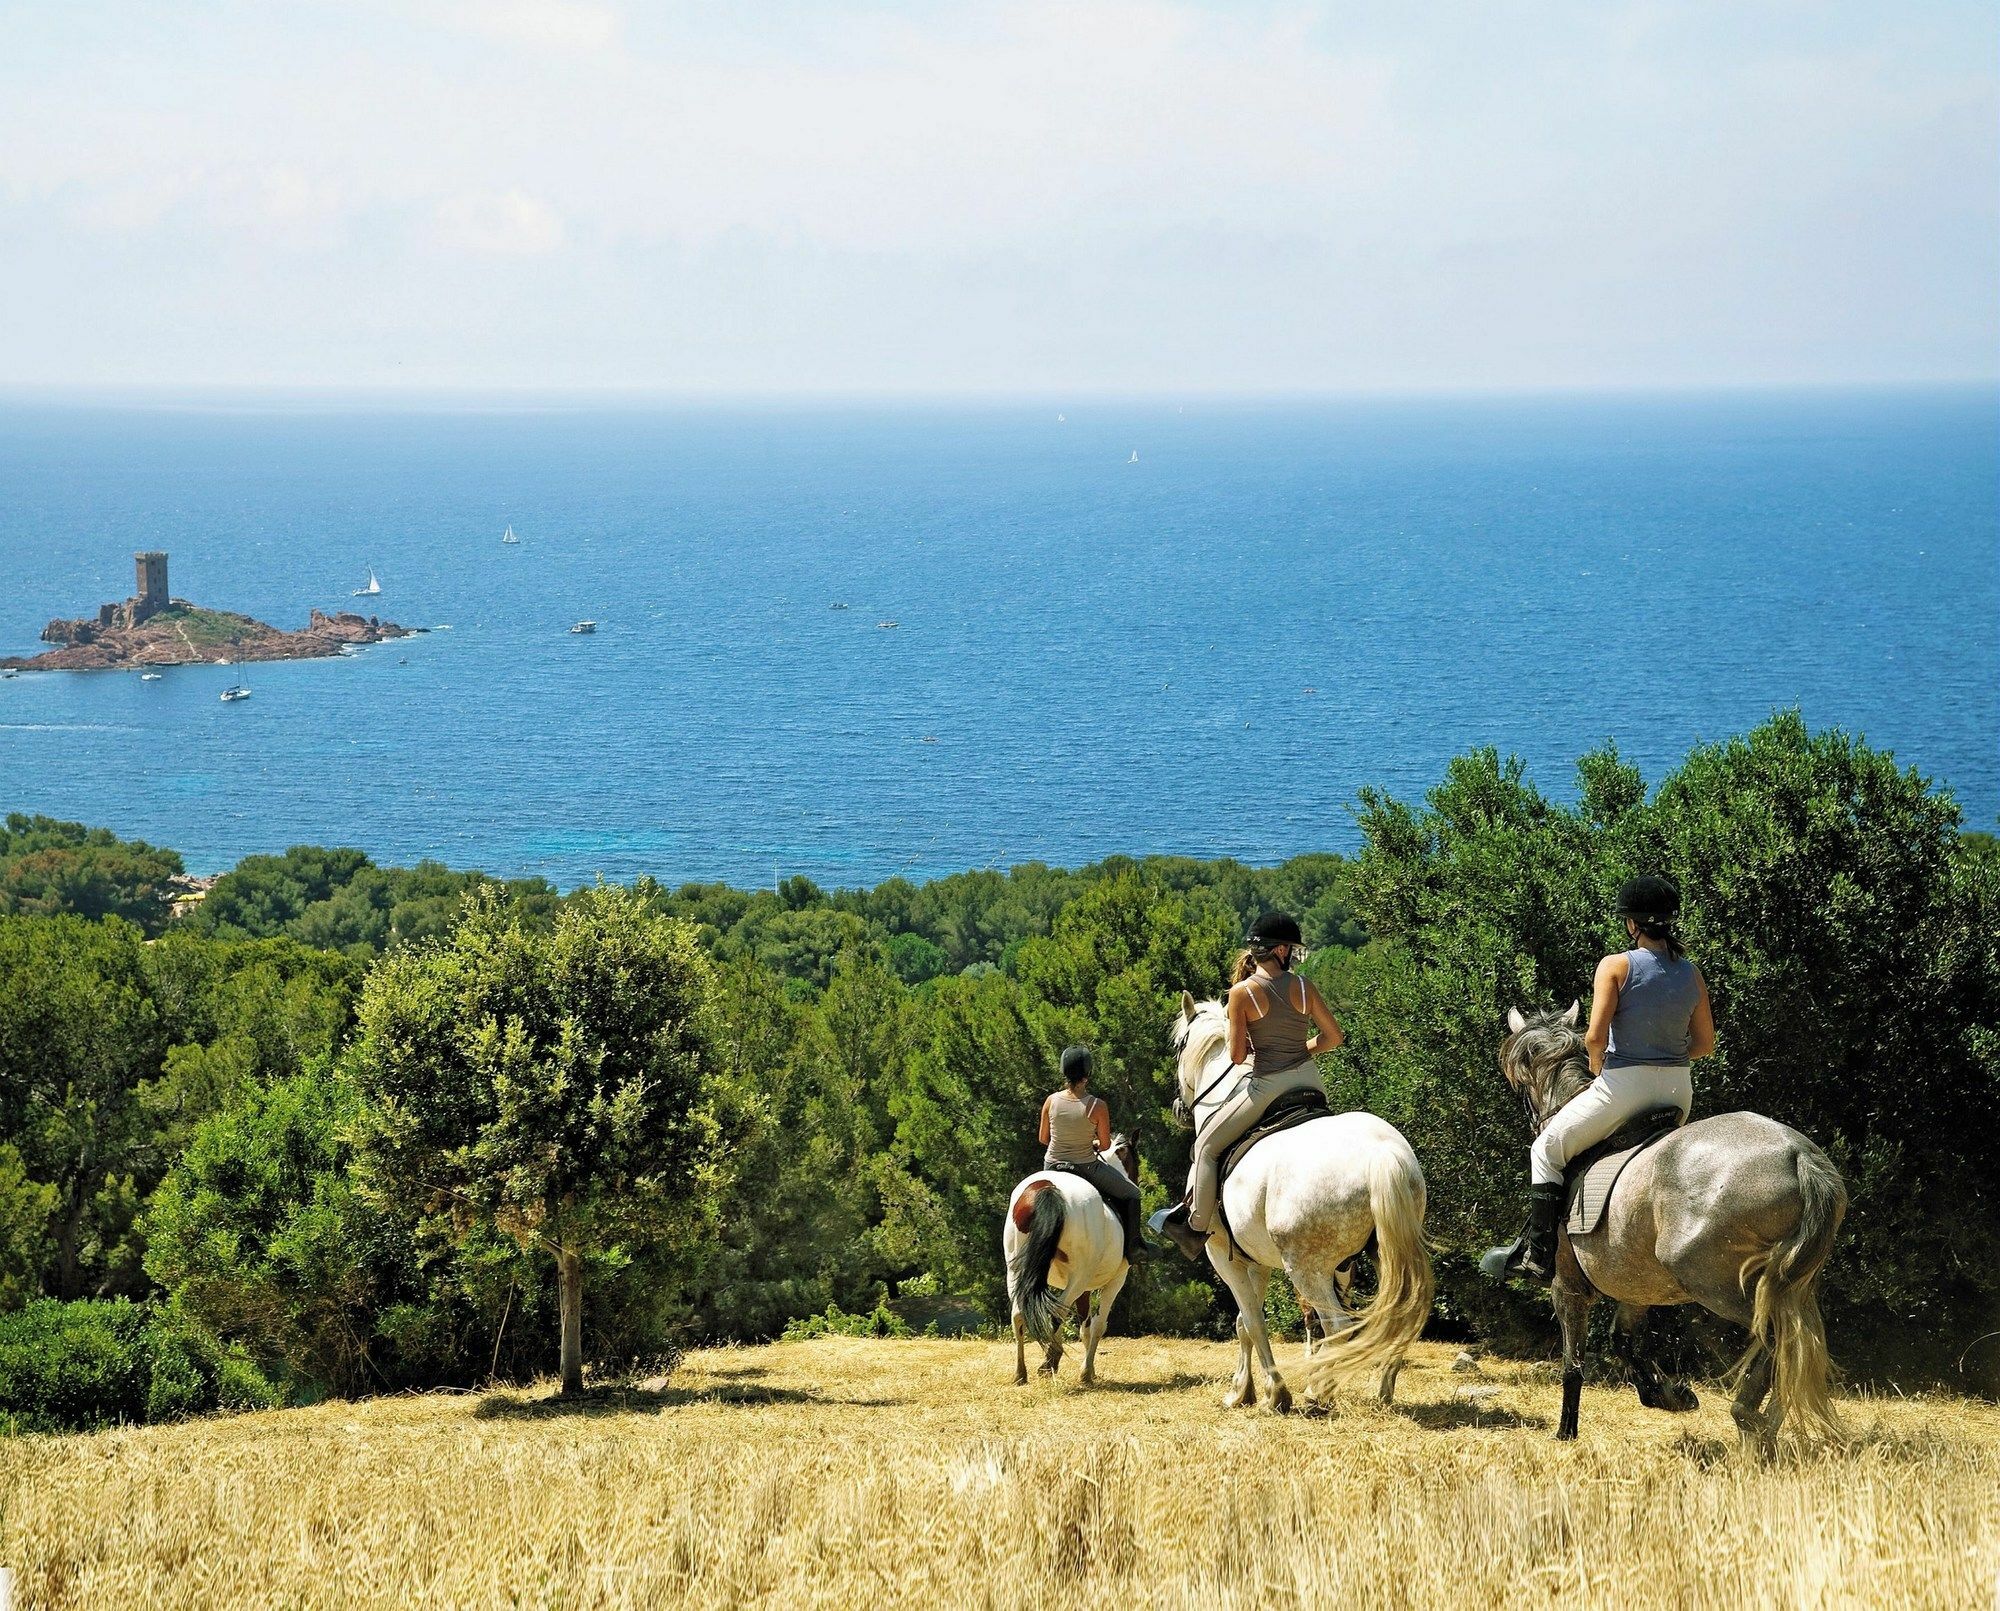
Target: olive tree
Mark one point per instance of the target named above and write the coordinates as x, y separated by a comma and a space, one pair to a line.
557, 1085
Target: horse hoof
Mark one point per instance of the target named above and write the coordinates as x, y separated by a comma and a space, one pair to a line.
1089, 1378
1045, 1370
1681, 1398
1021, 1380
1237, 1400
1281, 1401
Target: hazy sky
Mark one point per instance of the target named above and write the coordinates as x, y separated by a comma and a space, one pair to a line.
1146, 195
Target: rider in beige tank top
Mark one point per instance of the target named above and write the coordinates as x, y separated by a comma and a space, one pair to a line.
1072, 1129
1278, 1037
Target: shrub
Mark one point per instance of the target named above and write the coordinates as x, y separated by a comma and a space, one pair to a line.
67, 1367
837, 1323
72, 1367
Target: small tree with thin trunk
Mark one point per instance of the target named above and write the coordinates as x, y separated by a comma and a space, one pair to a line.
556, 1085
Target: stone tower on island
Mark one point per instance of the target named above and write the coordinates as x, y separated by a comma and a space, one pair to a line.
152, 596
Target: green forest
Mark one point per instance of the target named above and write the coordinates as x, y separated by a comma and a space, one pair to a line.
344, 1129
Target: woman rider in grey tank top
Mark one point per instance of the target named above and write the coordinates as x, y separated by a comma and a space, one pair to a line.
1273, 1016
1649, 1020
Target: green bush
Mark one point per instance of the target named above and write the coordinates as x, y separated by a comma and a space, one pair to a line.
67, 1367
837, 1323
72, 1367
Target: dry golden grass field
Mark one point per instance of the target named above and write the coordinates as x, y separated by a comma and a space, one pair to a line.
850, 1472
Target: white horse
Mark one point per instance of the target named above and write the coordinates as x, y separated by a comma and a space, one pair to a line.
1306, 1201
1063, 1243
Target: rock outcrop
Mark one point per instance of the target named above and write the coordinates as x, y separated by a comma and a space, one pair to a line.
185, 634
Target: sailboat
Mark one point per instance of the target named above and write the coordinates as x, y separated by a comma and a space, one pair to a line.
509, 536
374, 586
1135, 457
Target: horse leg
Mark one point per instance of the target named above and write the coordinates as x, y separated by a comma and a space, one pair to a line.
1573, 1300
1248, 1284
1093, 1332
1072, 1296
1020, 1349
1320, 1295
1242, 1282
1656, 1389
1757, 1429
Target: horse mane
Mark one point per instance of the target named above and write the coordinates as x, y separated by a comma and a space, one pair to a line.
1548, 1060
1201, 1033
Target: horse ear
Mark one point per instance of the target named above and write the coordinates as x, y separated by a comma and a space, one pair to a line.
1515, 1021
1187, 1006
1575, 1012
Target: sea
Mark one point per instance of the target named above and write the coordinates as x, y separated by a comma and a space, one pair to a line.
854, 640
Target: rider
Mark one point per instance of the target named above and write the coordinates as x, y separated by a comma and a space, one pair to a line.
1273, 1016
1649, 1019
1076, 1130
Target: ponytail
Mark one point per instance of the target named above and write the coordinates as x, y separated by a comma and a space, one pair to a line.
1247, 960
1665, 931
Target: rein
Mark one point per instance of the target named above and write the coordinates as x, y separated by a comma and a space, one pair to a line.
1185, 1110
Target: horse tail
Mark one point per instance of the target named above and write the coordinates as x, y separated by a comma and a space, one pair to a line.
1038, 1214
1382, 1336
1785, 1310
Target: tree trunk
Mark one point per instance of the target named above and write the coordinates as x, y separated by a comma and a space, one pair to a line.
569, 1275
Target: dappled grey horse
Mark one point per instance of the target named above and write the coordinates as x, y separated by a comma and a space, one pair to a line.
1736, 1213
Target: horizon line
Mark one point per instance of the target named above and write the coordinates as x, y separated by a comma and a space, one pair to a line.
223, 394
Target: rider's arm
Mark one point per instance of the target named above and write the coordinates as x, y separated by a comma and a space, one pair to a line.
1330, 1033
1101, 1117
1045, 1120
1239, 1024
1611, 975
1701, 1027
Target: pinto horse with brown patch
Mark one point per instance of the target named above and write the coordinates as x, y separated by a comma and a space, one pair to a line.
1063, 1243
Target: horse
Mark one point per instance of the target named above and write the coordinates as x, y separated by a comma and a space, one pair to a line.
1736, 1213
1307, 1200
1063, 1243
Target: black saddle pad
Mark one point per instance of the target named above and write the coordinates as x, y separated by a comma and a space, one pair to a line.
1288, 1111
1593, 1174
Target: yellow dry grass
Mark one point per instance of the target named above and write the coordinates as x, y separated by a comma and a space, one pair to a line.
852, 1472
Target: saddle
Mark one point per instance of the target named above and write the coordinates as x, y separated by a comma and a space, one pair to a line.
1593, 1174
1287, 1112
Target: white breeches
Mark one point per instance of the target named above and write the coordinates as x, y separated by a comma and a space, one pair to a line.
1601, 1107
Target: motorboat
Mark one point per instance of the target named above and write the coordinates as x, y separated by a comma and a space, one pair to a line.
149, 676
885, 626
584, 628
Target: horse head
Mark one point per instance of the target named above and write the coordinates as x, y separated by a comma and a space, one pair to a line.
1124, 1151
1201, 1042
1544, 1059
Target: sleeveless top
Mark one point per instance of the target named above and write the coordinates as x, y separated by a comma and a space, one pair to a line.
1278, 1039
1072, 1129
1655, 1009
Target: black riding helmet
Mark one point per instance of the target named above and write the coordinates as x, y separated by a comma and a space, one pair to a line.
1649, 896
1274, 929
1076, 1064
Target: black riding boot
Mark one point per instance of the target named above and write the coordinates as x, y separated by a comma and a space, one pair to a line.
1129, 1211
1533, 1254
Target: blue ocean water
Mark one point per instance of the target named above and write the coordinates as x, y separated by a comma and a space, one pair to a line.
1207, 651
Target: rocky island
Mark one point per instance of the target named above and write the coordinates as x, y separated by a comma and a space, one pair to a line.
154, 629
